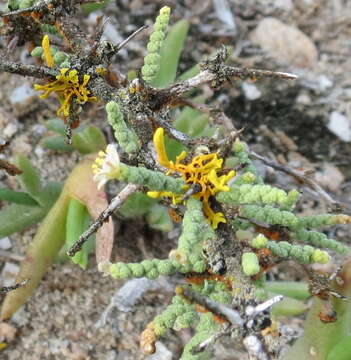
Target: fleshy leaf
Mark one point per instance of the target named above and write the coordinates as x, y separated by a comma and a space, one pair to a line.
17, 197
40, 255
30, 178
170, 53
77, 220
56, 143
89, 140
137, 204
293, 289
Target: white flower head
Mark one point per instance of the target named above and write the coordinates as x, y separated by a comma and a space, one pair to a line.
106, 166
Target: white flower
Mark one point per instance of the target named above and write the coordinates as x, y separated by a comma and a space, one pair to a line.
106, 166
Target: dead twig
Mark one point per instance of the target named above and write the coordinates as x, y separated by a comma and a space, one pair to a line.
244, 322
225, 331
115, 203
130, 37
208, 76
6, 289
219, 309
255, 348
39, 72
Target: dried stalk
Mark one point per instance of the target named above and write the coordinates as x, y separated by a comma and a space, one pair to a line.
115, 203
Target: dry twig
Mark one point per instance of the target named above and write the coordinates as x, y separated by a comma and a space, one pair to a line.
115, 203
7, 289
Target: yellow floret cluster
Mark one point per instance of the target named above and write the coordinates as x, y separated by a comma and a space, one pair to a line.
67, 85
203, 170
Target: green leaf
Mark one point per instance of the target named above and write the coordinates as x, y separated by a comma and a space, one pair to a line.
17, 197
137, 204
30, 178
56, 143
50, 193
342, 350
191, 122
288, 307
40, 254
159, 219
293, 289
78, 219
191, 72
16, 217
323, 337
56, 125
91, 7
173, 147
89, 140
170, 54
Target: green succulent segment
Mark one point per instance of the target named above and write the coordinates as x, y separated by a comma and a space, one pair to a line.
147, 268
186, 258
261, 194
319, 240
195, 230
259, 241
250, 264
152, 59
240, 150
126, 137
154, 180
177, 316
304, 254
215, 290
206, 328
269, 214
314, 221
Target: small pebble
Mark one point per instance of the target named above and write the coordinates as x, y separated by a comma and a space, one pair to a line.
251, 91
9, 273
162, 353
285, 43
10, 130
5, 243
340, 125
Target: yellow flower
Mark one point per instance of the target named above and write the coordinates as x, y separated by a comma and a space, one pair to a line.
106, 166
202, 170
67, 86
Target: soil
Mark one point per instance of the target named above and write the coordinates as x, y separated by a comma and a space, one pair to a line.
287, 122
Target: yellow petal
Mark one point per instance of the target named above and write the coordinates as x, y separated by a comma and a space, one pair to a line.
181, 157
159, 144
154, 194
47, 52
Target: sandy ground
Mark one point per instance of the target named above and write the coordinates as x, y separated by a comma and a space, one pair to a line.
305, 123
